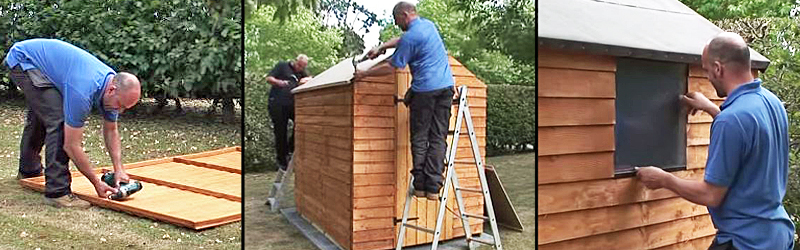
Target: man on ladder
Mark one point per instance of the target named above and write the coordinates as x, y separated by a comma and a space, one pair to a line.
430, 101
421, 48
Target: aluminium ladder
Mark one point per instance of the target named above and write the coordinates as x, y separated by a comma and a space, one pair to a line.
451, 177
276, 192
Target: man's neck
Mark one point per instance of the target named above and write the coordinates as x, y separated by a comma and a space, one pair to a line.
739, 81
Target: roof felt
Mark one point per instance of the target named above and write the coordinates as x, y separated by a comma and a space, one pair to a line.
657, 29
340, 74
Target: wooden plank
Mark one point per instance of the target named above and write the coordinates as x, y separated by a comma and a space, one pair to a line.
696, 156
380, 244
343, 99
330, 110
697, 243
378, 79
201, 180
584, 223
703, 85
339, 132
373, 145
696, 70
575, 111
564, 197
368, 88
370, 156
336, 121
576, 83
575, 167
373, 202
373, 167
472, 82
373, 190
372, 235
698, 134
648, 237
373, 213
372, 179
227, 161
570, 140
373, 122
375, 100
370, 224
549, 58
374, 111
373, 133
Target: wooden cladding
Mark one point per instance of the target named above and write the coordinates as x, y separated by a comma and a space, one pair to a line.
174, 187
580, 203
352, 156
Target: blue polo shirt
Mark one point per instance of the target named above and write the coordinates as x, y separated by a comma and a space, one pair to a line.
749, 154
78, 75
422, 49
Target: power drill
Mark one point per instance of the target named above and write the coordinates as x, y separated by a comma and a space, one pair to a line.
125, 189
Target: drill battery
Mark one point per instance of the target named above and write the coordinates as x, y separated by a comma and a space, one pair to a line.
125, 189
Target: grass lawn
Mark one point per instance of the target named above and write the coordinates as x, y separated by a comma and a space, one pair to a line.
268, 230
26, 223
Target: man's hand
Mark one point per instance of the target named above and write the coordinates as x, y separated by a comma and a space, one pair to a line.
305, 80
652, 177
697, 101
103, 190
375, 52
120, 176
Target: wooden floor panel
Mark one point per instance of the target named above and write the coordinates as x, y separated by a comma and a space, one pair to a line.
188, 194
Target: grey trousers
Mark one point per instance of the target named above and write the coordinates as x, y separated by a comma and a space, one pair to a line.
44, 125
429, 119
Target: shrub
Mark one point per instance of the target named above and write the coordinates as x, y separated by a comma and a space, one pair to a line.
511, 119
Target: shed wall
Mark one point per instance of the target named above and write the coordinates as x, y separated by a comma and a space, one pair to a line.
580, 204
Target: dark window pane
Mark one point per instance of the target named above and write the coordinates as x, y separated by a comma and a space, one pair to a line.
651, 123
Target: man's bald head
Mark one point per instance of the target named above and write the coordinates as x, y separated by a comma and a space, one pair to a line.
402, 7
128, 88
729, 49
404, 13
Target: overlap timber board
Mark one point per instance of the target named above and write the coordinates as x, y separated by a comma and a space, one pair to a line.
196, 191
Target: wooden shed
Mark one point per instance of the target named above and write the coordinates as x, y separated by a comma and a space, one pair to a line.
353, 157
609, 77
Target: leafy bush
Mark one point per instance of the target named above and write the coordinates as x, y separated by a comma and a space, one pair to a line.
259, 141
511, 119
175, 47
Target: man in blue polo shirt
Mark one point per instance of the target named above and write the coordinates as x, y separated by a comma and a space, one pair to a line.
748, 157
421, 48
62, 83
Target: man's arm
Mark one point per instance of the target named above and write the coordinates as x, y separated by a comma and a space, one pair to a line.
114, 148
277, 82
375, 52
72, 145
698, 192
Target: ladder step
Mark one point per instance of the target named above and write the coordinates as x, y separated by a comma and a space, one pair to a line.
277, 185
470, 189
270, 201
420, 228
482, 241
476, 216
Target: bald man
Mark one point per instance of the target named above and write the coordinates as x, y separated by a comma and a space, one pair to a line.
421, 48
284, 77
748, 156
62, 83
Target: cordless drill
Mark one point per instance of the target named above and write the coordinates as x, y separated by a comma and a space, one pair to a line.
125, 189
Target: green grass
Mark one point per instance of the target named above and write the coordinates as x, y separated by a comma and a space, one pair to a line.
26, 223
269, 230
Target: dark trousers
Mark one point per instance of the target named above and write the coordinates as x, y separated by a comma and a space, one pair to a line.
724, 246
430, 119
281, 113
44, 125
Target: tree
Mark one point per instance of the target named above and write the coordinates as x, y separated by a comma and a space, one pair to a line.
724, 9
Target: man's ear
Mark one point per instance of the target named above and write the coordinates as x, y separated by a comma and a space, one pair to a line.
112, 90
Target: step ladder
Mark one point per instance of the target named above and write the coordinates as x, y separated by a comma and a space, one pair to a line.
452, 178
276, 192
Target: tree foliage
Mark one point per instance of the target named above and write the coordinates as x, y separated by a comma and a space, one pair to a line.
178, 47
726, 9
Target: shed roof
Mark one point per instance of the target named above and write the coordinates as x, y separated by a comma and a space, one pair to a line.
340, 74
665, 30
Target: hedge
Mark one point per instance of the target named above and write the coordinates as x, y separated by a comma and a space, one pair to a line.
510, 119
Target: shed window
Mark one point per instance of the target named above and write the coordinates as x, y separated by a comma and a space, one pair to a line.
650, 125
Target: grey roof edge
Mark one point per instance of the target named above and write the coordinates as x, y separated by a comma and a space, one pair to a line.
621, 51
327, 85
